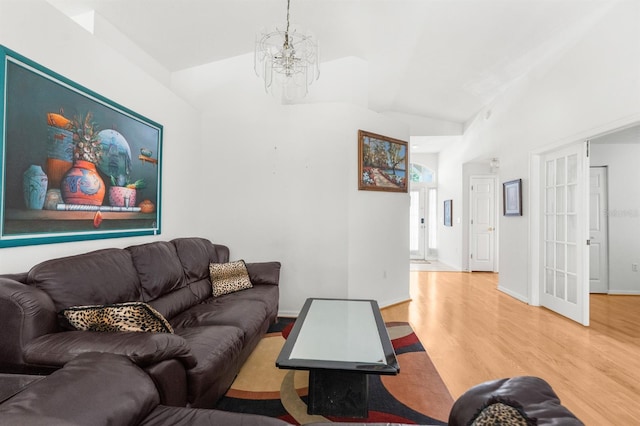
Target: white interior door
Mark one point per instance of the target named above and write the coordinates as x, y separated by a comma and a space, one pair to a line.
565, 223
598, 231
483, 223
417, 225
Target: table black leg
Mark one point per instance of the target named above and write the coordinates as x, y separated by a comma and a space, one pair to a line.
338, 393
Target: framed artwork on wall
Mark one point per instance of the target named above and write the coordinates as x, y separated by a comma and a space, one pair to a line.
383, 163
74, 165
448, 211
512, 198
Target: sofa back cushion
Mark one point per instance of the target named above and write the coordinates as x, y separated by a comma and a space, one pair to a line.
196, 254
96, 278
158, 267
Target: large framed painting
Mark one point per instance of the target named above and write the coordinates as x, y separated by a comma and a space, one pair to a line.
382, 163
73, 164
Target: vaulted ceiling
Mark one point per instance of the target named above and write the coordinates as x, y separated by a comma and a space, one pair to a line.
442, 59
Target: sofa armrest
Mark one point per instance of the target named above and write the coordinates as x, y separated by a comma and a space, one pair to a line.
264, 272
25, 314
144, 349
535, 395
94, 389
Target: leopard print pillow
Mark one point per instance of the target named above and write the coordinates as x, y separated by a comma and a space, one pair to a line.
229, 277
130, 316
503, 412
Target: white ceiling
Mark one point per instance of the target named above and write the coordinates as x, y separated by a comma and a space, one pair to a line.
443, 59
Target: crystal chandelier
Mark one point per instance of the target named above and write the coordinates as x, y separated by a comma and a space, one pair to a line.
287, 61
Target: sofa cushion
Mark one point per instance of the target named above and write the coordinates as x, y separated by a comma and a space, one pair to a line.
96, 278
158, 267
229, 277
171, 304
217, 350
130, 316
268, 295
196, 254
248, 315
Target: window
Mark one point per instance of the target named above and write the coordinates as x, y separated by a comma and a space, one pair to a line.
420, 173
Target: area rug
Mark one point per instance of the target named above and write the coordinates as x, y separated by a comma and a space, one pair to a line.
415, 396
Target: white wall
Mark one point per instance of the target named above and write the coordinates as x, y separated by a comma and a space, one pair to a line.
623, 210
39, 32
591, 86
295, 199
272, 182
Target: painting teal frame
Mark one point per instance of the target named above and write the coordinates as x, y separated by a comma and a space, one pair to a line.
35, 101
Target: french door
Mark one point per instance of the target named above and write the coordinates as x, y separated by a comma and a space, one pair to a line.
565, 286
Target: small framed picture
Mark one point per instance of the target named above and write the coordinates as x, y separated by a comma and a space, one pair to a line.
448, 211
512, 198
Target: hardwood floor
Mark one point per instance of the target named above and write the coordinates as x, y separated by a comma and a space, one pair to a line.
474, 333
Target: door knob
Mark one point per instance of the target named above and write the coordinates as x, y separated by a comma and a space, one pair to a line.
490, 228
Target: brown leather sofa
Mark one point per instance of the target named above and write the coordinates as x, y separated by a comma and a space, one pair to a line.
97, 389
192, 367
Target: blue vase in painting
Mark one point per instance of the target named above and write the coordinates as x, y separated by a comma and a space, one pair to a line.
34, 186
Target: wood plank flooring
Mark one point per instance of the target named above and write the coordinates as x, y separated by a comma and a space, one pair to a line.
474, 333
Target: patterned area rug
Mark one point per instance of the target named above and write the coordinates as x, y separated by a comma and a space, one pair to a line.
416, 395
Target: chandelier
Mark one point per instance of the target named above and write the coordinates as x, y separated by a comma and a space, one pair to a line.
287, 61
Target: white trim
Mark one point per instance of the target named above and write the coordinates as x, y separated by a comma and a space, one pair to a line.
514, 294
534, 229
623, 293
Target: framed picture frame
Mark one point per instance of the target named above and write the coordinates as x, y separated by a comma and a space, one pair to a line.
74, 165
448, 212
383, 163
512, 198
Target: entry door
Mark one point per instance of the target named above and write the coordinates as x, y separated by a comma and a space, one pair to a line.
598, 231
565, 287
481, 256
417, 225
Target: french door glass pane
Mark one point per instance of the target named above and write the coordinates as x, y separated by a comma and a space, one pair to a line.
414, 221
572, 228
548, 282
572, 288
560, 171
572, 169
560, 236
571, 258
571, 198
560, 284
551, 198
560, 257
549, 262
560, 199
551, 234
550, 166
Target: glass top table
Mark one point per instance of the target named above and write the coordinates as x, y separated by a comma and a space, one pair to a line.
340, 342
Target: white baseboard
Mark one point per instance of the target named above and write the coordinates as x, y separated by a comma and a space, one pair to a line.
514, 294
288, 314
624, 292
